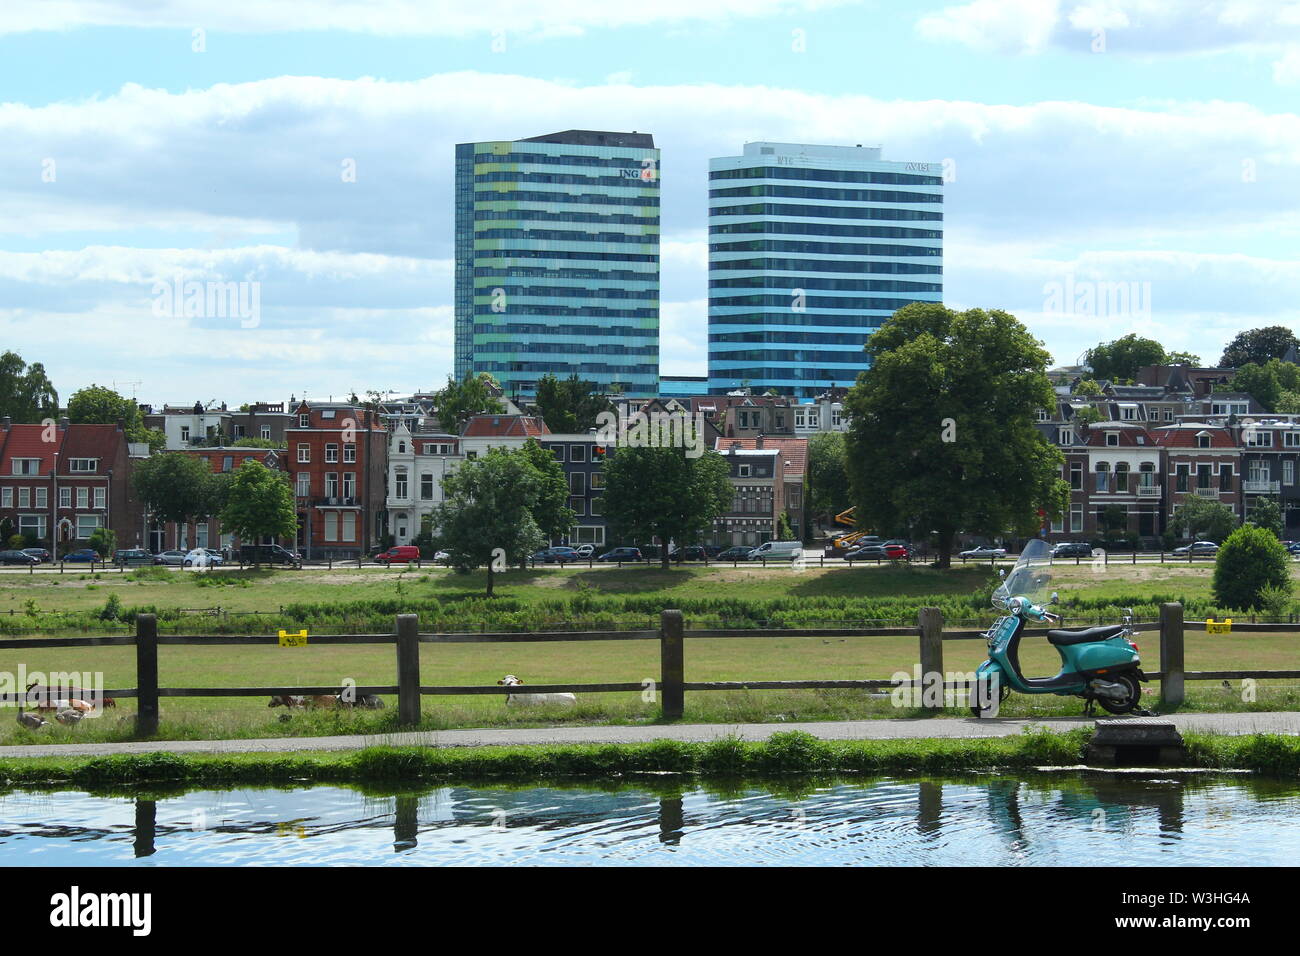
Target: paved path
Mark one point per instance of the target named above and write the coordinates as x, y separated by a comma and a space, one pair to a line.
950, 727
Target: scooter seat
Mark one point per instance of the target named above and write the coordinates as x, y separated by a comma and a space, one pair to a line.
1087, 635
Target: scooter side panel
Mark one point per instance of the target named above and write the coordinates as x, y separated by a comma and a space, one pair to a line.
1107, 654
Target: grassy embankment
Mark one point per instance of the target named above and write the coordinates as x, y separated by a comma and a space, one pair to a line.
789, 753
338, 601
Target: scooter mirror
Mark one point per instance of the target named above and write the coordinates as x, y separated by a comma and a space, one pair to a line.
1056, 598
1002, 572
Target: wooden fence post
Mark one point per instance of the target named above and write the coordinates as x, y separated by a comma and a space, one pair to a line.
1171, 654
930, 627
672, 665
408, 669
146, 675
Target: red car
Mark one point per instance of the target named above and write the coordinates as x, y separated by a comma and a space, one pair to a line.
896, 552
399, 555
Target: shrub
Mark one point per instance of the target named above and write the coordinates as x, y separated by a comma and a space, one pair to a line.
1251, 560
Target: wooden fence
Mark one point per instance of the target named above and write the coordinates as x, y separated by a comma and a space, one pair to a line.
672, 635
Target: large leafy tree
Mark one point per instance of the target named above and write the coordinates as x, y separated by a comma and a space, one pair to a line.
1258, 346
828, 474
98, 405
26, 394
1122, 358
1251, 560
458, 402
178, 487
569, 405
1258, 381
942, 435
1203, 519
486, 516
255, 502
662, 492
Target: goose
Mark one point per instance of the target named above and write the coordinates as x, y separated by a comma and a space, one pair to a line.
30, 721
69, 717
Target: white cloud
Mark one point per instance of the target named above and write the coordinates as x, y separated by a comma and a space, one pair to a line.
387, 17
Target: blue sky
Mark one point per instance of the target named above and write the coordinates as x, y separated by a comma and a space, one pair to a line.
1148, 143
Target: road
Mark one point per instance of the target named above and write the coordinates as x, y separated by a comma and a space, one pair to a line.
892, 729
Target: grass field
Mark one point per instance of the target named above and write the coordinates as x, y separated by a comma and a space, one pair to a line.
578, 662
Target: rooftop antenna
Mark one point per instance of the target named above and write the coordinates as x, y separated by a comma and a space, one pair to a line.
133, 385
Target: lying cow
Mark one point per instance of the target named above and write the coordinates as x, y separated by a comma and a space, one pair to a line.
327, 701
510, 680
64, 698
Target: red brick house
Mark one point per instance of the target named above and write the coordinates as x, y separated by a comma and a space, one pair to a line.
337, 459
61, 482
1202, 461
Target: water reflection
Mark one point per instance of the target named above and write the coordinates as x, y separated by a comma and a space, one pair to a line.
1038, 819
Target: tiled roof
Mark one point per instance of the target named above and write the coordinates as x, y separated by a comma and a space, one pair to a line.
794, 450
1185, 436
91, 441
504, 426
27, 441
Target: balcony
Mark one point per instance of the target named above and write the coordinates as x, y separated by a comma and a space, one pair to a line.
336, 502
1203, 492
1261, 487
1148, 491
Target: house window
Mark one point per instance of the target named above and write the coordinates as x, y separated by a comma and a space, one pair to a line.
558, 452
65, 497
83, 466
266, 432
331, 484
1225, 477
349, 453
1288, 472
426, 487
800, 419
304, 421
1121, 477
471, 455
227, 462
185, 433
304, 454
1058, 524
1103, 477
1043, 415
399, 486
578, 453
349, 526
1112, 439
835, 418
304, 484
25, 497
7, 498
101, 498
32, 524
1202, 441
1065, 436
1076, 518
332, 454
86, 525
27, 466
597, 479
201, 535
331, 526
578, 483
1076, 476
814, 417
1180, 478
1258, 439
578, 506
83, 498
743, 471
597, 506
349, 484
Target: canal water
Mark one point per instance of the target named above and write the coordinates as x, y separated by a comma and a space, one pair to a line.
1048, 819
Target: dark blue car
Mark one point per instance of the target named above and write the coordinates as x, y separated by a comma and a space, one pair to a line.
84, 555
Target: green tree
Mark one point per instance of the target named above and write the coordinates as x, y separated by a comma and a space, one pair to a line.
177, 487
569, 405
1258, 381
1183, 358
258, 503
1114, 518
1088, 387
258, 443
1288, 403
458, 402
1087, 415
97, 405
550, 505
1250, 561
1122, 358
1203, 520
103, 540
1266, 513
26, 395
664, 493
942, 437
828, 474
486, 515
1257, 346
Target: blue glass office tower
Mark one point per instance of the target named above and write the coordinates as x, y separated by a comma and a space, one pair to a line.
811, 248
557, 260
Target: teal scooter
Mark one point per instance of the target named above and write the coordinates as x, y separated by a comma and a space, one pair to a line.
1099, 664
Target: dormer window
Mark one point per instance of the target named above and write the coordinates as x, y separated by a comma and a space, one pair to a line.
1112, 439
1202, 439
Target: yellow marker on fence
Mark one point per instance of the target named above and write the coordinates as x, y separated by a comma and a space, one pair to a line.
1218, 627
293, 640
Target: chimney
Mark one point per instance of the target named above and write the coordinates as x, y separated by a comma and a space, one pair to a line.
5, 423
64, 422
121, 425
758, 442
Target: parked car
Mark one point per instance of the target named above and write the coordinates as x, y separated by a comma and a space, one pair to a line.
985, 551
777, 551
1072, 549
692, 552
870, 552
83, 556
738, 553
40, 554
557, 555
1293, 547
132, 557
401, 554
176, 558
622, 554
1198, 547
202, 558
268, 554
897, 552
17, 557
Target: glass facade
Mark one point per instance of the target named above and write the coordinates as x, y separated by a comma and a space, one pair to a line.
811, 248
557, 260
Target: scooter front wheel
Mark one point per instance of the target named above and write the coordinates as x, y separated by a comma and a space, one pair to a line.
1003, 693
1131, 699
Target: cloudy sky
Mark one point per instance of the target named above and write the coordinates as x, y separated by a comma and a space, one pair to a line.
307, 149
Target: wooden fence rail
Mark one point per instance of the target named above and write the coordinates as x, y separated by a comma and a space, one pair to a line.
673, 636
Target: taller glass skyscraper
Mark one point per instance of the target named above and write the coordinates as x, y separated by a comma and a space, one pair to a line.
557, 260
811, 248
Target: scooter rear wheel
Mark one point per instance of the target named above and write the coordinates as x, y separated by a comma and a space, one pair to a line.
1130, 701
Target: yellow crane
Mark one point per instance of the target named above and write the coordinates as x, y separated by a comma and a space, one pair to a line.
846, 540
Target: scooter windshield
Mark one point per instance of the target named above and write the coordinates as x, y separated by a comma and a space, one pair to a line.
1029, 578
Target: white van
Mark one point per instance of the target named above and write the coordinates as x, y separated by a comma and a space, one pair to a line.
777, 551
